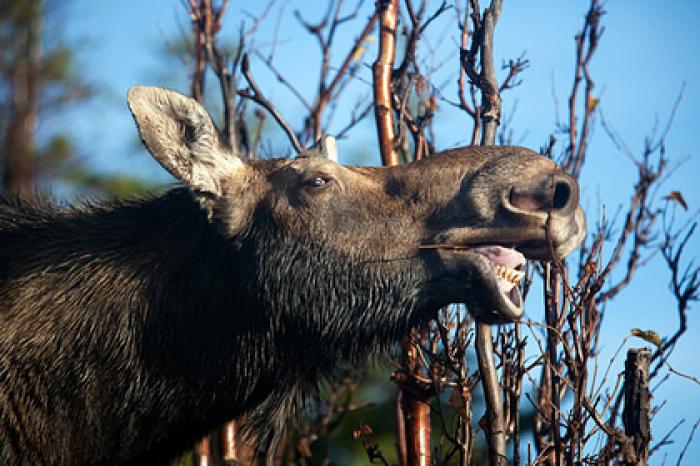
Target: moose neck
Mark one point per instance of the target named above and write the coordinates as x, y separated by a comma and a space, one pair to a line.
201, 324
195, 289
135, 306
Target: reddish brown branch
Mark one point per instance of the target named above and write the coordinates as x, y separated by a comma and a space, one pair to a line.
414, 407
417, 413
382, 71
408, 81
202, 452
229, 450
401, 444
416, 391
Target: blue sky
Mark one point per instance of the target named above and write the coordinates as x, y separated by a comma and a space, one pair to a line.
647, 52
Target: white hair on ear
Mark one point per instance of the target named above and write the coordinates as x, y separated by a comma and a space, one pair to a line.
182, 137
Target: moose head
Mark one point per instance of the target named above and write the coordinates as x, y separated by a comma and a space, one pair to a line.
454, 228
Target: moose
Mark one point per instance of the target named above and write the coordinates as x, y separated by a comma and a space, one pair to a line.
132, 327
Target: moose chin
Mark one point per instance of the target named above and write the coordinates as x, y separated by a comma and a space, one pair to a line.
130, 328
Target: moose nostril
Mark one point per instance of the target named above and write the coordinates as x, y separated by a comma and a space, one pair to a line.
562, 194
554, 195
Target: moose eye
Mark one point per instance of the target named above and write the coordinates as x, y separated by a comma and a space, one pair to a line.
319, 182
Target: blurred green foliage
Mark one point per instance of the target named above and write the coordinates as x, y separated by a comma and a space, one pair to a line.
41, 79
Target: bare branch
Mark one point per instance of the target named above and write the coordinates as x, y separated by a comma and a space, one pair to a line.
260, 99
688, 442
514, 67
355, 118
586, 45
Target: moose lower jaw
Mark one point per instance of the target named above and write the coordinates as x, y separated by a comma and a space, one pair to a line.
499, 271
492, 273
507, 271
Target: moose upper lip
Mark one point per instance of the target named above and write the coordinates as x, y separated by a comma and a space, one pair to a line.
548, 237
522, 248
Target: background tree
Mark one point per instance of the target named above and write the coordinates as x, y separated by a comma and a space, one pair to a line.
42, 79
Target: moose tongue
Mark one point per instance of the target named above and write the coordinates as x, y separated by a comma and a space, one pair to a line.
505, 257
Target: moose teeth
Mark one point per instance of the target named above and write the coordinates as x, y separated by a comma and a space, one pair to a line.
511, 275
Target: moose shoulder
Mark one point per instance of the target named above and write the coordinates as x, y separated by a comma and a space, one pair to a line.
131, 328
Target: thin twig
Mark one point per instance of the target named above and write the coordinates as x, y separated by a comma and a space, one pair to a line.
260, 99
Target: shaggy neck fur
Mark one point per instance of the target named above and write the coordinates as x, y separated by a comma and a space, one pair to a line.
146, 324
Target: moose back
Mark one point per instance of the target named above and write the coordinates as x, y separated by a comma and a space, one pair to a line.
131, 328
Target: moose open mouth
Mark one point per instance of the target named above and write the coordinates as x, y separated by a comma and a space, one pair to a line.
499, 271
508, 270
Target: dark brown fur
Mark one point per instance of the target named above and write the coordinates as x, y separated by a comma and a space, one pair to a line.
129, 329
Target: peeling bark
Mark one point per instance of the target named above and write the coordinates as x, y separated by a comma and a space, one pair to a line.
382, 71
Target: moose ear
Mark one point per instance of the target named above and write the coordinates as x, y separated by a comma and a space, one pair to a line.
182, 137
